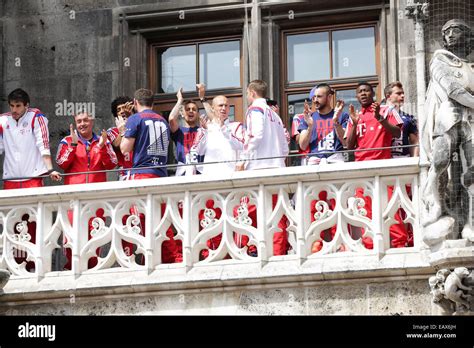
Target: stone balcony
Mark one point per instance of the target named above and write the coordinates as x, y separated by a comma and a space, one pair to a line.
118, 269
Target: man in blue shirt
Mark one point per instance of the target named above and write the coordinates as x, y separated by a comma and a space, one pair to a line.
323, 131
147, 134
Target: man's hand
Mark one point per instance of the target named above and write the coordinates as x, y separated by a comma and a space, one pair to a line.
338, 110
353, 115
308, 118
179, 95
73, 134
376, 109
203, 120
103, 139
120, 123
201, 89
55, 176
240, 167
128, 110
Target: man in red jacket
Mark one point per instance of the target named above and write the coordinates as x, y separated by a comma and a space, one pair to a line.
84, 151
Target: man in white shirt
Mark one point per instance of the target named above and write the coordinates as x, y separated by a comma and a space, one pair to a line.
25, 137
264, 135
221, 141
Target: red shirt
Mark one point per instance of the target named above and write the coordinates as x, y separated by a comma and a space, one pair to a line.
371, 134
124, 161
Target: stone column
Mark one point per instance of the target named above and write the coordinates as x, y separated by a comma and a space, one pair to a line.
418, 11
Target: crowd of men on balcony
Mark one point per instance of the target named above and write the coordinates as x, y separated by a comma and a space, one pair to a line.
139, 142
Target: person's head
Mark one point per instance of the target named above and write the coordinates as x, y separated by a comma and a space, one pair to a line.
457, 35
143, 99
365, 94
221, 107
191, 112
84, 125
118, 106
321, 96
394, 93
273, 104
255, 90
19, 101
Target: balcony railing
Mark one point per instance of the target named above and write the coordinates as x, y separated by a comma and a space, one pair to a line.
130, 225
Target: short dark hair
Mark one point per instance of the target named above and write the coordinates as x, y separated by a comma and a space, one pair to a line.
119, 101
271, 102
19, 95
144, 97
328, 88
389, 88
260, 87
365, 83
186, 102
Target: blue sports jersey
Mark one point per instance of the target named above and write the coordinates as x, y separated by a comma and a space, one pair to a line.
184, 140
324, 141
152, 134
409, 127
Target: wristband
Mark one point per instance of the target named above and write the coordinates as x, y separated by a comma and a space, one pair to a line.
203, 99
73, 144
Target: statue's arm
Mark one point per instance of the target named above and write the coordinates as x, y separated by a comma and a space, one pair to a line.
443, 74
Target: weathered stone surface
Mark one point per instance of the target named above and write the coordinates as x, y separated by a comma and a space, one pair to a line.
408, 297
4, 276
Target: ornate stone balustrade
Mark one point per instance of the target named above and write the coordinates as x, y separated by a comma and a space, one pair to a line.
128, 224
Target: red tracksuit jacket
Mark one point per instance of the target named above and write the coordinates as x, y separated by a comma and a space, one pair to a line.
85, 157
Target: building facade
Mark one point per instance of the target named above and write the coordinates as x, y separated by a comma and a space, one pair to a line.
72, 53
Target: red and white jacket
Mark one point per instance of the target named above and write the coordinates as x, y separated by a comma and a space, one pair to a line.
265, 137
25, 142
124, 161
85, 157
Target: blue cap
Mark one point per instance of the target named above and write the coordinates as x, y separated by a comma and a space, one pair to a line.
313, 92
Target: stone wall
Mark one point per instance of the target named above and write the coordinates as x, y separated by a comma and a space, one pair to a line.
369, 297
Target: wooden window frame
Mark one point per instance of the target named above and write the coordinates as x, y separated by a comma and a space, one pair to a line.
343, 83
163, 101
337, 84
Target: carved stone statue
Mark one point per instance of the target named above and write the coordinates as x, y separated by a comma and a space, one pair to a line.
447, 140
451, 290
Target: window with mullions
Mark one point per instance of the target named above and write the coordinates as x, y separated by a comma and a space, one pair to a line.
340, 56
333, 54
216, 64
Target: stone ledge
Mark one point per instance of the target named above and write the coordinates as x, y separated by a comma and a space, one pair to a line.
58, 286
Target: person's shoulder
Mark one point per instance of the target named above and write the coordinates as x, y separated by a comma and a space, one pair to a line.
66, 140
256, 108
36, 112
298, 117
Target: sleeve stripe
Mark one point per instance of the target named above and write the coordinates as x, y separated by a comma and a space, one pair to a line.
64, 157
111, 154
44, 132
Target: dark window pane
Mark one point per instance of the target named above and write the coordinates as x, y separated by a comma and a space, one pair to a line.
219, 64
178, 69
308, 57
295, 106
354, 52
